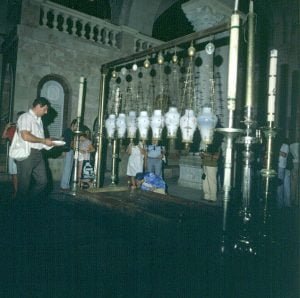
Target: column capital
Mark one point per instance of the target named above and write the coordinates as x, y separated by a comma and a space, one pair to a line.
204, 14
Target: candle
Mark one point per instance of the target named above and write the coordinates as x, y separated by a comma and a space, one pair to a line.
233, 56
236, 5
80, 98
272, 85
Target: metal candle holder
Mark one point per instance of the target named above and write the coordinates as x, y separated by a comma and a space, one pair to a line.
115, 144
244, 242
268, 186
77, 133
99, 166
230, 133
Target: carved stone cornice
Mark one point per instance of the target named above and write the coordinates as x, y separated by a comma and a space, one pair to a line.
204, 14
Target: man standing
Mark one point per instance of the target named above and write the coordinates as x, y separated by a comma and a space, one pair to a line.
155, 154
30, 128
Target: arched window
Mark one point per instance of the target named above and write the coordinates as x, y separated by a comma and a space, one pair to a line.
57, 90
54, 92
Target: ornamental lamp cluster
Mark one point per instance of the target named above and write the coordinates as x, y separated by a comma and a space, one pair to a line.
136, 117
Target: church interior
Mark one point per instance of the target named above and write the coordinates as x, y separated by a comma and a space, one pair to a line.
187, 74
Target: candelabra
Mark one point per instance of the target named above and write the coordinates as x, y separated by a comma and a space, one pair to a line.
245, 243
115, 140
77, 133
230, 133
268, 173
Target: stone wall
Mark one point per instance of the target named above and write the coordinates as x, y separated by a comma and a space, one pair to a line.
42, 52
47, 51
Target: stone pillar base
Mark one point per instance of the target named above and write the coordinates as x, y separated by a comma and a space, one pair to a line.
190, 172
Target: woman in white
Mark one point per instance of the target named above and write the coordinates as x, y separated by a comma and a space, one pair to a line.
135, 161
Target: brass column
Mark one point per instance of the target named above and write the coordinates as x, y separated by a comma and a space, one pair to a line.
115, 144
99, 161
77, 133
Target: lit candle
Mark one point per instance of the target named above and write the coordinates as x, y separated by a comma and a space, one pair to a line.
272, 85
80, 98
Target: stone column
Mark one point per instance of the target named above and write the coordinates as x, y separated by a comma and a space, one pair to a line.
30, 14
190, 172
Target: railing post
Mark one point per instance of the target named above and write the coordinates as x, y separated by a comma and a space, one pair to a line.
65, 23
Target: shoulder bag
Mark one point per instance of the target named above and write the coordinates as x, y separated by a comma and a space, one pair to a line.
19, 149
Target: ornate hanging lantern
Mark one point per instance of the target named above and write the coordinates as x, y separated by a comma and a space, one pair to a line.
147, 63
110, 125
188, 122
172, 118
134, 67
121, 126
210, 48
188, 125
160, 58
175, 58
131, 124
143, 125
207, 120
114, 74
206, 123
157, 124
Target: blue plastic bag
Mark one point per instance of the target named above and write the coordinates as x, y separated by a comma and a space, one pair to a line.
153, 182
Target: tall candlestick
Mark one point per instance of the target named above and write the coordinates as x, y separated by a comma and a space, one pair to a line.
233, 66
233, 56
272, 85
80, 97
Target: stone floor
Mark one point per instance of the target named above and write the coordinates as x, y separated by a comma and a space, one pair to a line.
137, 244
